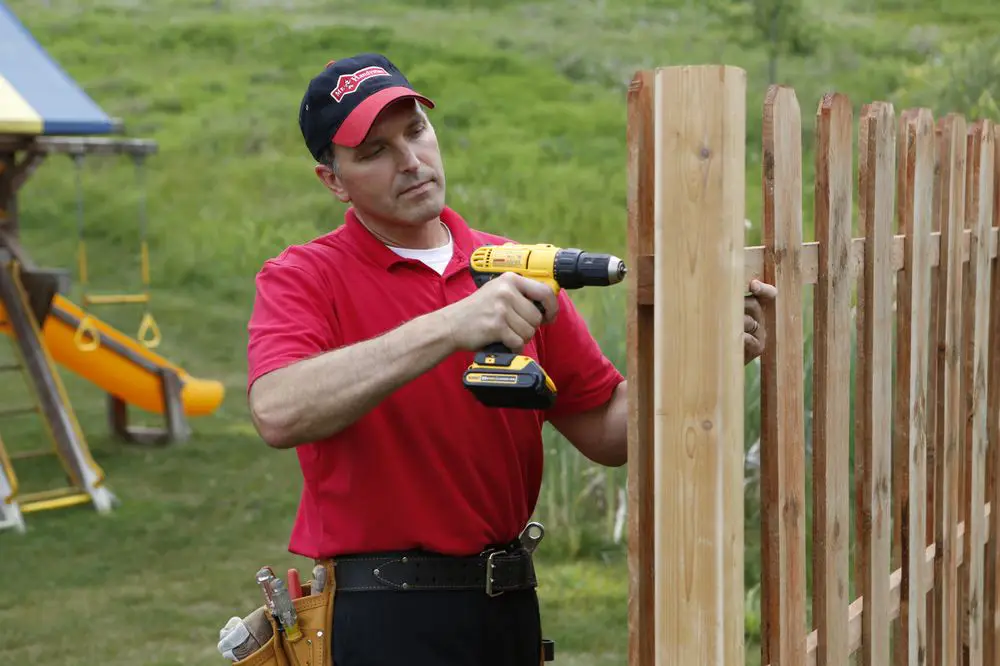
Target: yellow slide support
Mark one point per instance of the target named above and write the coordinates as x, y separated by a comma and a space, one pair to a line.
119, 364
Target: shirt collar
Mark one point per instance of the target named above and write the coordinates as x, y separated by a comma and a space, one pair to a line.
376, 251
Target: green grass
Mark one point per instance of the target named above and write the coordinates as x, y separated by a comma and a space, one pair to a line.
531, 117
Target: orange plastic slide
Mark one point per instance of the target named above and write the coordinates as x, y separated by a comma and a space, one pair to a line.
120, 365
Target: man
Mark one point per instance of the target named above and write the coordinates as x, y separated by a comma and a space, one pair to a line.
358, 342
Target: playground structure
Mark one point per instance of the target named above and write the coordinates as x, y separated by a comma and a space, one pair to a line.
44, 113
920, 280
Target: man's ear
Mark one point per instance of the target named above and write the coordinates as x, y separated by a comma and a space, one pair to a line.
332, 182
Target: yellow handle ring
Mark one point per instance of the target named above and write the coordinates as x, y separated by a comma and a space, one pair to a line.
87, 327
149, 332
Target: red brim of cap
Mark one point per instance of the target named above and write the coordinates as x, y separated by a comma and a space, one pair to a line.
354, 130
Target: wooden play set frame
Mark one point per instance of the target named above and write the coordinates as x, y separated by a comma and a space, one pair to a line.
26, 292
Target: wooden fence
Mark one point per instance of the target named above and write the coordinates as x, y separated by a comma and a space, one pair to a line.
905, 422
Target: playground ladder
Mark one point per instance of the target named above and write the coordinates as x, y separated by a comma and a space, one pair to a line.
10, 511
25, 309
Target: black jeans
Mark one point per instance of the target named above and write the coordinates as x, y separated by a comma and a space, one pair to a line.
436, 628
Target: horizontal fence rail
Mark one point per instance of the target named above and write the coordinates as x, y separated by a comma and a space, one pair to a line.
877, 535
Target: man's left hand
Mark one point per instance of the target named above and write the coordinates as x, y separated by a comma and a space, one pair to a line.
754, 331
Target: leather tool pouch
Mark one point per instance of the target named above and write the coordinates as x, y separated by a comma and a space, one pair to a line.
270, 654
315, 621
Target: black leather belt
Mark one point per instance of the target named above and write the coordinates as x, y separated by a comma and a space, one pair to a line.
494, 571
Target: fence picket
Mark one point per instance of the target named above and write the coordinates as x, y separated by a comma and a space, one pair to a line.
832, 377
782, 391
640, 388
952, 149
981, 220
900, 395
915, 176
877, 139
934, 370
964, 452
699, 196
991, 618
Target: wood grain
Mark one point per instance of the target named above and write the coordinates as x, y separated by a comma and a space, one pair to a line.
877, 148
700, 121
934, 369
980, 220
952, 151
915, 174
927, 410
855, 611
641, 173
782, 454
900, 404
991, 617
810, 260
965, 381
832, 378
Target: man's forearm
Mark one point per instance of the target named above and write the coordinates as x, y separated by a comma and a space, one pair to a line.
321, 396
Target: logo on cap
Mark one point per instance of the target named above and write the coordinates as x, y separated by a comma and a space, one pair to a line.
349, 83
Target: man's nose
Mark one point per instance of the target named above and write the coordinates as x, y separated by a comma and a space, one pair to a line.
408, 159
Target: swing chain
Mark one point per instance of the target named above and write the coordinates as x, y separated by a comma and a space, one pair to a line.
149, 333
81, 251
86, 337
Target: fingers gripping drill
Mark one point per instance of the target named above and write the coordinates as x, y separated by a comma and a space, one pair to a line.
497, 376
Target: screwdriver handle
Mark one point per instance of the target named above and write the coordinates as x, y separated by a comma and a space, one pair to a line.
294, 583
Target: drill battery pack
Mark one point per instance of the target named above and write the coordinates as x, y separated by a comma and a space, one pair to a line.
501, 378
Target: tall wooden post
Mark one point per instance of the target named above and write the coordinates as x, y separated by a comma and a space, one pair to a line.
8, 200
686, 439
640, 369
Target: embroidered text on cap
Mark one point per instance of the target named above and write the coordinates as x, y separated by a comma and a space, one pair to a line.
349, 83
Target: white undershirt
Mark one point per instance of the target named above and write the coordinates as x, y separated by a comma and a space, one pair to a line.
436, 257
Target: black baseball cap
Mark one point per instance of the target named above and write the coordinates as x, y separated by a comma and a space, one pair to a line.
342, 101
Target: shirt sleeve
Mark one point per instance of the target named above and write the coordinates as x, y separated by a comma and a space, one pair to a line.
584, 377
292, 319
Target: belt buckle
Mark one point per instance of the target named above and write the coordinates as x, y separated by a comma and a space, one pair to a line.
489, 574
528, 541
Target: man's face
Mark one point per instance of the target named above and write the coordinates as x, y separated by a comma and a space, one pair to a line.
395, 176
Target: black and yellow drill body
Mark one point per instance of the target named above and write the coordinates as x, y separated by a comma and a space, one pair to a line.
497, 376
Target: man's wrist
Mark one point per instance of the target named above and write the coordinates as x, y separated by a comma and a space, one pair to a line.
439, 329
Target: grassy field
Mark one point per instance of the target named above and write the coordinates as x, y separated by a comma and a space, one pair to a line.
531, 118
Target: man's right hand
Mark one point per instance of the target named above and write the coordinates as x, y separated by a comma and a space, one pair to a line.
308, 400
502, 310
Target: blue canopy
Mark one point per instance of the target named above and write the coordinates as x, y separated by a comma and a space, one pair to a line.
36, 96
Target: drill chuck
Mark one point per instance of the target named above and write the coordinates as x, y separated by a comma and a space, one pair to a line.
574, 269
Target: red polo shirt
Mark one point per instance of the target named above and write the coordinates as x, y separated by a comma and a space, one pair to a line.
429, 467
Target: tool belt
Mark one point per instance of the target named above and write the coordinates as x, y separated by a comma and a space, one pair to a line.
306, 644
494, 572
267, 641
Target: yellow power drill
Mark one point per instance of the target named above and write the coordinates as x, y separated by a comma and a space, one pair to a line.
497, 376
